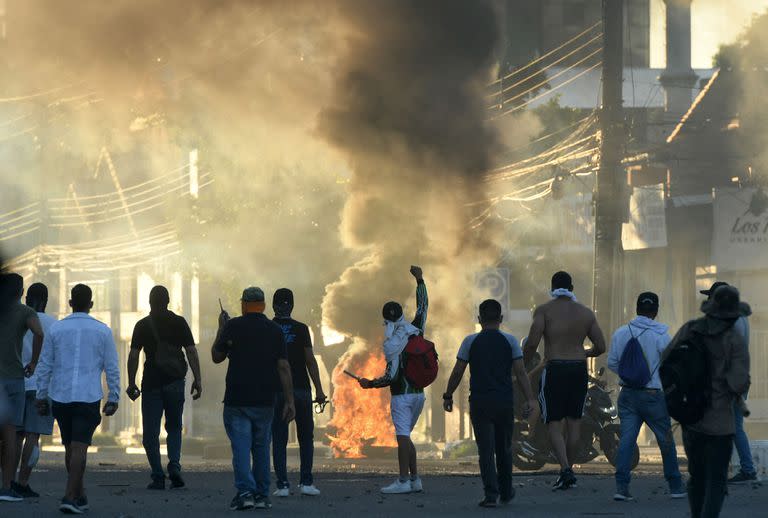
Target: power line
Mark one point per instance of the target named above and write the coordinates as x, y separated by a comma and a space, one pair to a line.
548, 92
543, 70
546, 81
537, 60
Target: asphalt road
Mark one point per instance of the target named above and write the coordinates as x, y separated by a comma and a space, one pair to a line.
351, 488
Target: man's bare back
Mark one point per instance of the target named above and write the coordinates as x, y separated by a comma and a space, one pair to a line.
564, 324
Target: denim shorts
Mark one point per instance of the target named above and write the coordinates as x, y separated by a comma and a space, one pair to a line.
33, 421
15, 401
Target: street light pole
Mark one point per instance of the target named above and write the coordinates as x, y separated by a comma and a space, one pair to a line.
608, 187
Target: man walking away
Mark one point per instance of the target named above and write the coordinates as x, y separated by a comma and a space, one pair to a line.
492, 357
407, 401
564, 324
28, 439
78, 350
163, 335
303, 366
709, 442
15, 321
258, 361
642, 397
747, 471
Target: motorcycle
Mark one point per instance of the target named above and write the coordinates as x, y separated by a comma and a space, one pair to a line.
600, 431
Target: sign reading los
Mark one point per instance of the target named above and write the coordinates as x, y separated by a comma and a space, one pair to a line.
740, 240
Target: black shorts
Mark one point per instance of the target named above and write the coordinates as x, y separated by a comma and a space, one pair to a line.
563, 389
77, 421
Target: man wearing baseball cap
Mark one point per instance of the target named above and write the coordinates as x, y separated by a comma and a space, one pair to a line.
258, 361
747, 471
643, 402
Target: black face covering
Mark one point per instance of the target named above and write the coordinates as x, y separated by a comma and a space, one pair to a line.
283, 310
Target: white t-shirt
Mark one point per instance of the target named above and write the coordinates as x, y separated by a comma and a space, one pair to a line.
46, 321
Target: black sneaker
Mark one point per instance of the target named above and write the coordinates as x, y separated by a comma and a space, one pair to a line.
565, 481
176, 481
69, 507
571, 481
262, 502
506, 500
157, 484
82, 503
487, 502
622, 495
9, 495
24, 491
242, 501
740, 478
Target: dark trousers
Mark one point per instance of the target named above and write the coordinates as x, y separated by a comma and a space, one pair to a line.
305, 428
493, 424
168, 400
708, 458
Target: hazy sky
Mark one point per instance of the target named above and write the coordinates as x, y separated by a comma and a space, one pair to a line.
714, 22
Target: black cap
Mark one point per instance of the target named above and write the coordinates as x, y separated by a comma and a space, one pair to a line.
647, 301
282, 297
712, 288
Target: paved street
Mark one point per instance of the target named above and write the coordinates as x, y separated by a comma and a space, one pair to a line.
116, 489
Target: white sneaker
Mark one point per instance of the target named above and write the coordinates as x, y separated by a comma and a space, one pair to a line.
416, 486
282, 492
397, 488
309, 490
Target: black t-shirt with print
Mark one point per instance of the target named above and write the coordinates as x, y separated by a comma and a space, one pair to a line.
172, 329
297, 339
253, 344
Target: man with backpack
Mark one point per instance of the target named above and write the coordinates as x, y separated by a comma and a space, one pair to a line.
492, 356
162, 335
635, 355
747, 471
703, 371
407, 400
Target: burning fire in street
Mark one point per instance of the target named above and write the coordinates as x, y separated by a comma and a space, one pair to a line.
361, 417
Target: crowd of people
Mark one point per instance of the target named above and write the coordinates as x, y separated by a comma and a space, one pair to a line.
52, 370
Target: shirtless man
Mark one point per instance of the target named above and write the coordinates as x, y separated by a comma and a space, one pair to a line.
564, 324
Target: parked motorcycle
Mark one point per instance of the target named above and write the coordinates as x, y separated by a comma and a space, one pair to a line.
600, 432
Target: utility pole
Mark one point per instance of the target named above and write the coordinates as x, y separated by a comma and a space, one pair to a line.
608, 187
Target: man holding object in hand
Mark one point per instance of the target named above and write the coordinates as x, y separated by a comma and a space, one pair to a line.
258, 361
162, 335
492, 356
77, 350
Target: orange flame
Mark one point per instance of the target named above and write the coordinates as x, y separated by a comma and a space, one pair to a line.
361, 417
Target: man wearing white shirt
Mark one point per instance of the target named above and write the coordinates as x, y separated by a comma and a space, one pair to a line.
644, 404
35, 425
78, 350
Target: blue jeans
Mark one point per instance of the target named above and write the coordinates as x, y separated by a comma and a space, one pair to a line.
741, 442
168, 400
635, 408
305, 427
249, 430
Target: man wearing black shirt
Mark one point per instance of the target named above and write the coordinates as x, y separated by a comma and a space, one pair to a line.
163, 388
303, 366
258, 361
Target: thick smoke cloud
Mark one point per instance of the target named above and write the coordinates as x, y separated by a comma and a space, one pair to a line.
407, 113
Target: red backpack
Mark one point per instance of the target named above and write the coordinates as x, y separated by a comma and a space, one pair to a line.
420, 361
